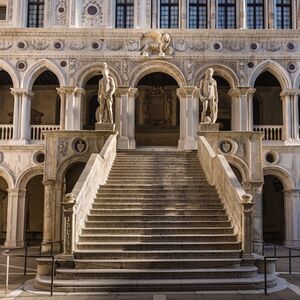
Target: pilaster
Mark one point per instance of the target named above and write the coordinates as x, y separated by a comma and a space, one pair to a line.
17, 93
243, 14
189, 117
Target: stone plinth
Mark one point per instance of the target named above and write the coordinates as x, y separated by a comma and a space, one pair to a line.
105, 126
208, 127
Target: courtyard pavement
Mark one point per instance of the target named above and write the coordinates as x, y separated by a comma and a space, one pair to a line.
288, 288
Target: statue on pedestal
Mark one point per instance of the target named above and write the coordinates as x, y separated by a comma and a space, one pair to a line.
209, 97
107, 88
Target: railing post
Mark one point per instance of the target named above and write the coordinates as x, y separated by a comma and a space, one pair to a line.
69, 217
247, 212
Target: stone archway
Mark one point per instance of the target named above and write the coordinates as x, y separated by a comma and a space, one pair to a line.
157, 111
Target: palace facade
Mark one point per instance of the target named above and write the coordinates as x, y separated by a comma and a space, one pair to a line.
51, 57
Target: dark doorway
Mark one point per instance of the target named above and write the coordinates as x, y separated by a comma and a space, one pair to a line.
72, 175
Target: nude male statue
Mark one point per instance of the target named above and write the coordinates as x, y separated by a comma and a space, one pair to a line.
107, 88
209, 97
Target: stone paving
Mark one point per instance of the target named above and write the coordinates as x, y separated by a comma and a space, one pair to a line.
17, 280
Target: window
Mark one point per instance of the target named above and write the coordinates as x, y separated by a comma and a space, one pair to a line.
255, 14
283, 14
169, 13
124, 14
2, 12
226, 14
35, 13
198, 14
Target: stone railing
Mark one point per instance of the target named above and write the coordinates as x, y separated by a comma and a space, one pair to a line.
37, 131
237, 202
78, 203
6, 132
271, 133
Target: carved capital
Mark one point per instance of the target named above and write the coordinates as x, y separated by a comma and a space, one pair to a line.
187, 92
285, 94
123, 91
22, 92
234, 93
79, 91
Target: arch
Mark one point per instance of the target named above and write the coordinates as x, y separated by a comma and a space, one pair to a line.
156, 66
8, 176
62, 169
95, 69
37, 69
219, 70
26, 175
275, 69
285, 177
5, 66
241, 166
297, 80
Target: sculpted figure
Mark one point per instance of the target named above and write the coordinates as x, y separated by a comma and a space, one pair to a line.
209, 97
154, 41
107, 88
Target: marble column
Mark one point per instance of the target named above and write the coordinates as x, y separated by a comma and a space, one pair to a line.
125, 117
77, 108
49, 213
251, 93
183, 15
295, 114
243, 14
25, 115
272, 14
189, 117
287, 114
69, 111
213, 22
292, 219
62, 94
234, 93
15, 218
17, 93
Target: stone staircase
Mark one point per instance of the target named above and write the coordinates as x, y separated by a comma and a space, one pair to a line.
157, 225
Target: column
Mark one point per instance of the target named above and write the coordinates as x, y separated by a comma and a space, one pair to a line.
234, 93
25, 115
243, 14
287, 114
212, 22
292, 217
272, 14
15, 218
49, 213
125, 117
62, 94
69, 110
251, 93
77, 108
295, 114
183, 14
189, 117
17, 112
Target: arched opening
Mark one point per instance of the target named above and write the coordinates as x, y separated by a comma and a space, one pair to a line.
224, 112
34, 210
266, 100
157, 111
237, 173
3, 209
91, 102
45, 105
72, 175
7, 100
273, 210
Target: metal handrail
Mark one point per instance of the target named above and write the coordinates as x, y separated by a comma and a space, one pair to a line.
8, 253
275, 246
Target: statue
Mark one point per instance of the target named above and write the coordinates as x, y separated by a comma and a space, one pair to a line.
209, 97
107, 88
154, 41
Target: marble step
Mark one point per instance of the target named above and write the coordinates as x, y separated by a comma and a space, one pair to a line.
98, 204
217, 245
207, 196
158, 238
158, 230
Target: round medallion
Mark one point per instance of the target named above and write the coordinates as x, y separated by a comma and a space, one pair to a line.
38, 157
79, 145
92, 10
21, 65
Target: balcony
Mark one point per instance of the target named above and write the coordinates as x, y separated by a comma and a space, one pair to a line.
271, 132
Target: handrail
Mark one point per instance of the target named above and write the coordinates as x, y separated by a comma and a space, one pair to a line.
26, 256
78, 203
266, 258
238, 203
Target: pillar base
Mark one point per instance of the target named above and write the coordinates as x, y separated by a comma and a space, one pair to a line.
105, 126
125, 143
208, 127
14, 244
187, 144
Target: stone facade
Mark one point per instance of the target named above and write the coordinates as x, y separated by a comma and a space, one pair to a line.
74, 45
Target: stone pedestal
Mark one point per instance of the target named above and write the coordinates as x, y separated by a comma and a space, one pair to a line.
105, 126
208, 127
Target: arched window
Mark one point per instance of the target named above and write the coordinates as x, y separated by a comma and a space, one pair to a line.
124, 13
283, 14
169, 14
198, 14
35, 17
255, 14
226, 14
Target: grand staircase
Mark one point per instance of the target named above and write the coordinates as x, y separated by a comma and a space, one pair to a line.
157, 225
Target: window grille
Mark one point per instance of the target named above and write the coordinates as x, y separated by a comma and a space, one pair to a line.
124, 14
198, 14
35, 16
283, 14
255, 14
169, 13
226, 14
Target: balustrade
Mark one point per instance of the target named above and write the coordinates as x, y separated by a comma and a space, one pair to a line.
37, 130
6, 132
271, 133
